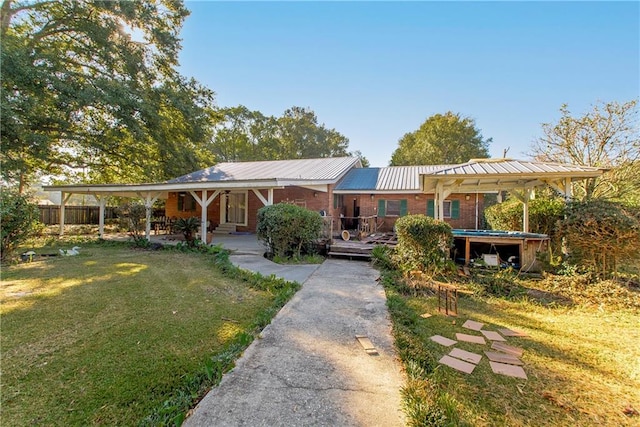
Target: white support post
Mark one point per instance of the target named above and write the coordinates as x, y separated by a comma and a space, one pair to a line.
568, 189
64, 198
204, 203
149, 200
259, 195
102, 201
270, 197
440, 199
525, 210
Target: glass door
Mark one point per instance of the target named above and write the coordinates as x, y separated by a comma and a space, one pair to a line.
236, 208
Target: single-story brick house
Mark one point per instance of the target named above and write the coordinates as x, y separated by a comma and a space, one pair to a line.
230, 194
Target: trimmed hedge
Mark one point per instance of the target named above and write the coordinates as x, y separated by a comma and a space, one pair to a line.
423, 243
287, 229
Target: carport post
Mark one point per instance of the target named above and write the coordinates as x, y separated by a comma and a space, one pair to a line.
102, 201
204, 203
64, 198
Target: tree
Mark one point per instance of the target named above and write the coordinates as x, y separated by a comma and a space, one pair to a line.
441, 139
244, 135
607, 136
20, 220
92, 85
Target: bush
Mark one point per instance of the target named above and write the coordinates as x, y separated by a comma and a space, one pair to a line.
288, 229
188, 227
423, 244
544, 213
601, 235
19, 220
132, 218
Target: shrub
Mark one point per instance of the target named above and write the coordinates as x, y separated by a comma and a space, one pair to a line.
132, 218
423, 244
188, 227
601, 235
544, 213
19, 220
288, 229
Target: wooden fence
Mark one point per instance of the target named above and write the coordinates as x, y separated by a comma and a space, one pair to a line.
50, 215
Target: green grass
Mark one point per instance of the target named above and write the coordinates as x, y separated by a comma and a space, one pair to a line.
581, 361
115, 335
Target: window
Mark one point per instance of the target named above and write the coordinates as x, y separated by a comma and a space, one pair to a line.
392, 207
186, 202
451, 208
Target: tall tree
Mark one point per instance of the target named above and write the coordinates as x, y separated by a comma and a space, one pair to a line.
93, 85
607, 136
442, 139
243, 135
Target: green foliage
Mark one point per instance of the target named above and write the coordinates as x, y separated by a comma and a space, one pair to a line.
602, 235
132, 218
188, 227
288, 229
544, 214
244, 135
81, 92
382, 257
19, 220
607, 137
423, 244
442, 139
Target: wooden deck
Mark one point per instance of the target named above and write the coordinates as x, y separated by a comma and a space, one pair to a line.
360, 248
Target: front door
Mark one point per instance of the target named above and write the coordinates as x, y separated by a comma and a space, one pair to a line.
235, 209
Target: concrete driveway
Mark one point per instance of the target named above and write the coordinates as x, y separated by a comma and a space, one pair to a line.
308, 369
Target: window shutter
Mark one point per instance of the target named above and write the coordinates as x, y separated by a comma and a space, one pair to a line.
430, 208
455, 209
381, 208
403, 207
335, 201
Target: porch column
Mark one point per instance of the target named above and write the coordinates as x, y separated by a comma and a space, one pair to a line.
102, 201
64, 198
204, 203
568, 189
149, 200
268, 201
525, 209
439, 202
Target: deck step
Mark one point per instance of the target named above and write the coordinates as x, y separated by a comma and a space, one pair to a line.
349, 254
225, 229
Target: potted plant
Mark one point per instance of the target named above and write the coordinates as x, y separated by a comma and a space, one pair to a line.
188, 227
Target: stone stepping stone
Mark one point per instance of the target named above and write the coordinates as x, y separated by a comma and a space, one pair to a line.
505, 348
503, 358
473, 325
443, 340
467, 356
508, 370
457, 364
512, 333
493, 336
470, 338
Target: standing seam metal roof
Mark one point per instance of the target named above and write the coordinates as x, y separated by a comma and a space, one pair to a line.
508, 166
392, 178
324, 169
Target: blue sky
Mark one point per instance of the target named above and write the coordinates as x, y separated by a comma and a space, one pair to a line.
377, 70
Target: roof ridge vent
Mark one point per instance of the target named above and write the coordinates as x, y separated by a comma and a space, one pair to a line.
490, 160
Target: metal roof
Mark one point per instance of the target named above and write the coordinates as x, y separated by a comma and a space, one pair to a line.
324, 169
387, 179
513, 167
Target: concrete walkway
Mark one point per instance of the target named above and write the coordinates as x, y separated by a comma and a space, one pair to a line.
308, 368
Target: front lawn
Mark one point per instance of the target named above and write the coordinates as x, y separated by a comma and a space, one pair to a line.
581, 360
113, 335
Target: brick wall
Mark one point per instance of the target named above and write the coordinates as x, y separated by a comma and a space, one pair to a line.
323, 201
